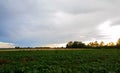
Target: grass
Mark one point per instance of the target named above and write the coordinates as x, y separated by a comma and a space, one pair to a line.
60, 61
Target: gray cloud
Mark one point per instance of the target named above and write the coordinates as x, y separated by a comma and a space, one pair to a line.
56, 20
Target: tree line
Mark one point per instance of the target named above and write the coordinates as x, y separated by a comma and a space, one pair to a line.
95, 44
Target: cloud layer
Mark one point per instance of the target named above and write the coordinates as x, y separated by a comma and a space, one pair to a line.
41, 22
6, 45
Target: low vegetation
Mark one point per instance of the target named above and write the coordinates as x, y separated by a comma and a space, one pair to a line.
60, 61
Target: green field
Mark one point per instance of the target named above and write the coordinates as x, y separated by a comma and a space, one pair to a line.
60, 61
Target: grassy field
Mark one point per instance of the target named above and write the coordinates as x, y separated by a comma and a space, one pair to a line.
60, 61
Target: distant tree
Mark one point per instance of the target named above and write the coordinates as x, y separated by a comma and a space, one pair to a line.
17, 47
101, 44
90, 44
75, 44
110, 44
69, 44
80, 45
118, 43
72, 44
96, 44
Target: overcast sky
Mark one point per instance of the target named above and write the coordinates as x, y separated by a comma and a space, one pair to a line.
43, 22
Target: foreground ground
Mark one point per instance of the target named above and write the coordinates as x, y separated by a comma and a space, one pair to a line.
60, 61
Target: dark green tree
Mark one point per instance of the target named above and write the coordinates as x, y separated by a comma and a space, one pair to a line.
75, 44
69, 44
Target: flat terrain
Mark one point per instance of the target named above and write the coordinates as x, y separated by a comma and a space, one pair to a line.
60, 61
33, 49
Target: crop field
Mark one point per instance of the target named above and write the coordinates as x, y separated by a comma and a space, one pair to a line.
60, 61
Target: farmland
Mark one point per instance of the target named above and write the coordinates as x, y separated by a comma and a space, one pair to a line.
60, 61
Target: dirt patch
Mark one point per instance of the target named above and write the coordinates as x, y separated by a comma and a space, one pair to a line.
4, 61
27, 59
